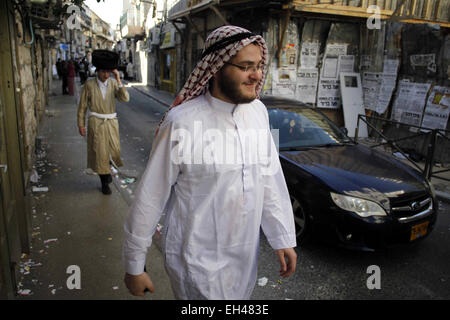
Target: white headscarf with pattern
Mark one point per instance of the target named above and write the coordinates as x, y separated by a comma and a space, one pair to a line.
220, 46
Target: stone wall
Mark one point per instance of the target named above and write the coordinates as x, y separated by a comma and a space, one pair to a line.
32, 67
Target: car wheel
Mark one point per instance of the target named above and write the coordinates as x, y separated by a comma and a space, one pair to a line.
301, 221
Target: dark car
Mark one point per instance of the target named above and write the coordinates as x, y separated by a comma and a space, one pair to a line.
364, 198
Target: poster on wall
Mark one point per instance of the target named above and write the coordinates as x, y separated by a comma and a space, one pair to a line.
329, 95
346, 63
336, 49
289, 56
371, 85
309, 55
307, 85
423, 60
284, 81
378, 87
437, 109
410, 102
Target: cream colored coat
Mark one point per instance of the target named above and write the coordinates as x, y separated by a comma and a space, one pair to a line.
103, 139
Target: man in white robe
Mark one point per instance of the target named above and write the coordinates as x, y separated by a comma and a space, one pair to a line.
215, 173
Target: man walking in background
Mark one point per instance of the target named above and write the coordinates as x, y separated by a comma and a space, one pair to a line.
98, 101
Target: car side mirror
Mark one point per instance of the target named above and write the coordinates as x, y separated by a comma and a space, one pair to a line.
344, 130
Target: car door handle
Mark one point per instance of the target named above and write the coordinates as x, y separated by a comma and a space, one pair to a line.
4, 166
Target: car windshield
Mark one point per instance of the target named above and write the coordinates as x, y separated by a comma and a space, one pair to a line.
303, 128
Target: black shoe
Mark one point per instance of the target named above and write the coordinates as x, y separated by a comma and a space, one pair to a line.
106, 190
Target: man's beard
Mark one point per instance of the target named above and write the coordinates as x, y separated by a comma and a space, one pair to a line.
232, 90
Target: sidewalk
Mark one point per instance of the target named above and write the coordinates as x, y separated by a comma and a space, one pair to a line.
163, 97
74, 226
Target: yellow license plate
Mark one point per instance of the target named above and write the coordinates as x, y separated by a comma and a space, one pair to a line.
419, 230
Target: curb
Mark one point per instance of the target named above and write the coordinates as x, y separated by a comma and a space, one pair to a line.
443, 196
152, 97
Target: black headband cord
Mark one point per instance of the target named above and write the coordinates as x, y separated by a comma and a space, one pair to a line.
226, 41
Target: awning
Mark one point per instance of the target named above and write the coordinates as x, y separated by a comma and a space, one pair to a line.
189, 12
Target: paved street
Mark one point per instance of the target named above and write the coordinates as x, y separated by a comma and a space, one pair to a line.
324, 272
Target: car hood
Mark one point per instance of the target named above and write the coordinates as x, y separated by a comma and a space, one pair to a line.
360, 171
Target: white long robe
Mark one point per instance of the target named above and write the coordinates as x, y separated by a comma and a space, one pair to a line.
214, 205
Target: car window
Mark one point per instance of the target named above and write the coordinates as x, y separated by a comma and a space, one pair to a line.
304, 127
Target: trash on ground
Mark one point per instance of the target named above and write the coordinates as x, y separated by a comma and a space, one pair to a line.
262, 281
50, 240
24, 292
40, 189
90, 172
34, 177
127, 180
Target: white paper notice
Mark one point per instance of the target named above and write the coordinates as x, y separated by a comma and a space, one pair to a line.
330, 68
329, 95
346, 63
309, 55
371, 85
437, 109
339, 49
307, 85
410, 102
284, 82
378, 87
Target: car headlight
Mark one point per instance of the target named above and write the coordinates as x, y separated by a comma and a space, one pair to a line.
361, 207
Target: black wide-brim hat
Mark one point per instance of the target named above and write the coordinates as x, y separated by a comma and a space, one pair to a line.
105, 59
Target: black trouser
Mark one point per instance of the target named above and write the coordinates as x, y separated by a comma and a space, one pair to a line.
65, 85
105, 179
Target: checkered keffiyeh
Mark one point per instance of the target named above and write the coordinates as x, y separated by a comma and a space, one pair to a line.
213, 60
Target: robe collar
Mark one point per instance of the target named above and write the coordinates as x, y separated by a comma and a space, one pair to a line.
104, 84
220, 105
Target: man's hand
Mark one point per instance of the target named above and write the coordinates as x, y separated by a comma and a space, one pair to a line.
82, 130
287, 254
117, 76
137, 284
